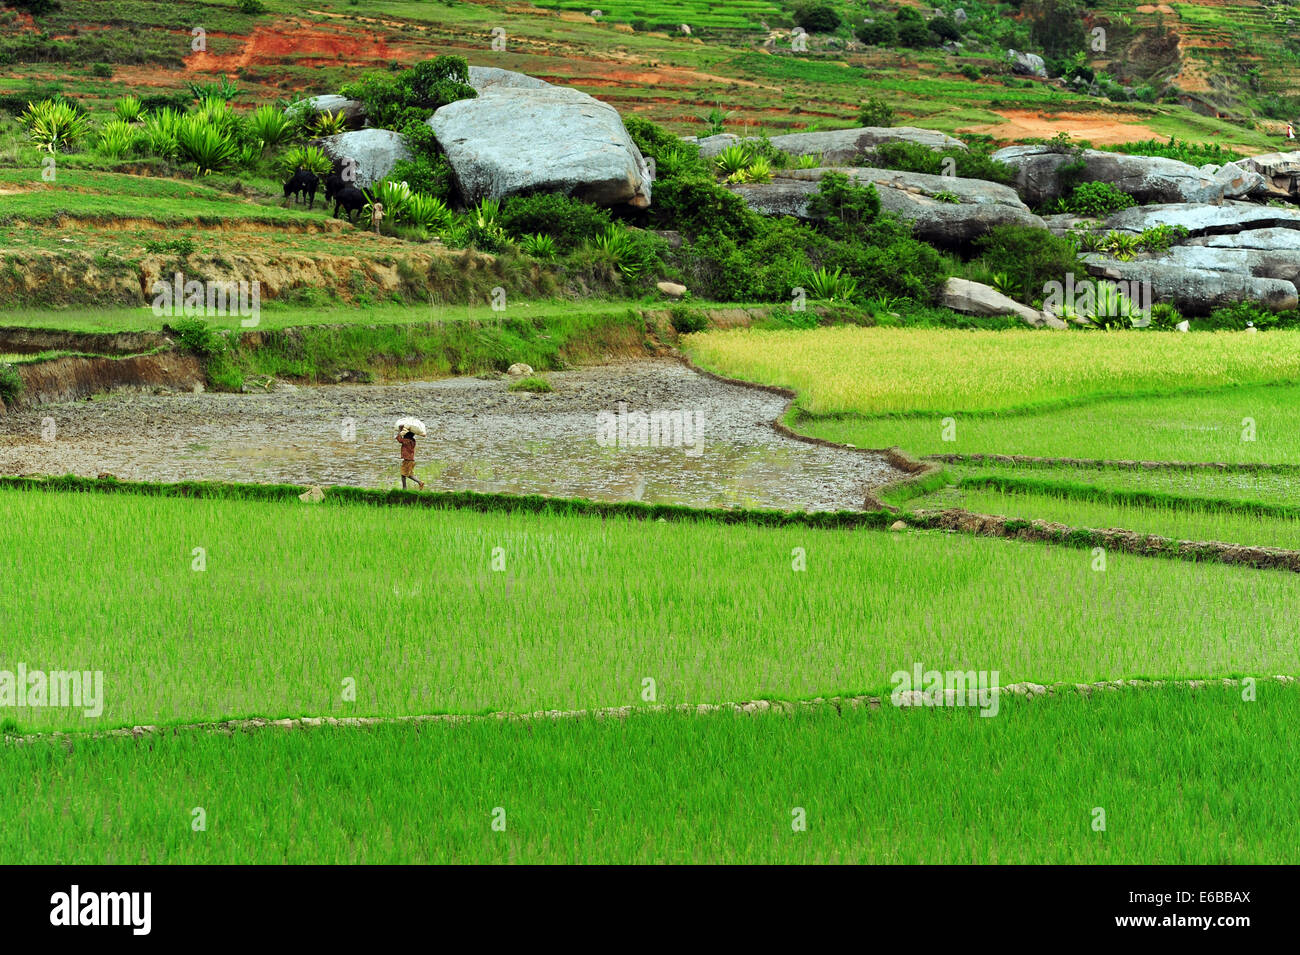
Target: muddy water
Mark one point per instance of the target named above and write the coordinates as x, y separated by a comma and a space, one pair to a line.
481, 437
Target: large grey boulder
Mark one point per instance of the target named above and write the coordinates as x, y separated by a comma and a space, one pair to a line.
353, 110
1196, 291
1205, 218
1145, 178
1267, 240
1280, 173
1275, 264
375, 152
486, 77
518, 139
837, 147
981, 206
973, 298
1027, 64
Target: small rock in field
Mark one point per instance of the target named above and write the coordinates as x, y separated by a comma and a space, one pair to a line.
519, 369
898, 526
671, 289
313, 495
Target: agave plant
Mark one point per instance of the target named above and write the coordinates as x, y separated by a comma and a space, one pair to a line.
760, 170
1122, 245
538, 246
427, 212
734, 159
1005, 284
159, 132
393, 196
269, 126
808, 161
54, 125
204, 145
831, 286
714, 120
616, 243
116, 139
329, 124
310, 158
217, 113
128, 109
484, 225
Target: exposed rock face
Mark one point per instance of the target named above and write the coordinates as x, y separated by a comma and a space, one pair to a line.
1280, 264
354, 111
1279, 172
1196, 291
981, 206
518, 139
1204, 219
486, 77
1145, 178
837, 147
375, 152
972, 298
1027, 64
1269, 240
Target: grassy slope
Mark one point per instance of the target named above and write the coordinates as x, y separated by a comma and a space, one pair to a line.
295, 599
1173, 771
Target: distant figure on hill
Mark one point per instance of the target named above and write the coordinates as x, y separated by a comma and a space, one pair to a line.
1290, 131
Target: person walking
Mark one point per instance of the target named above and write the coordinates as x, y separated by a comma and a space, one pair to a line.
406, 438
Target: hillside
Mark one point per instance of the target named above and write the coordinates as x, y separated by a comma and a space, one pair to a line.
1208, 70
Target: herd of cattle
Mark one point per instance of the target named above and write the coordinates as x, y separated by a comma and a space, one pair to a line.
347, 195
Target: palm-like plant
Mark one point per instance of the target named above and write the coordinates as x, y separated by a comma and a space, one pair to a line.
205, 145
116, 139
734, 159
128, 109
329, 124
538, 246
269, 126
808, 161
616, 243
160, 128
427, 212
393, 196
54, 125
831, 286
310, 158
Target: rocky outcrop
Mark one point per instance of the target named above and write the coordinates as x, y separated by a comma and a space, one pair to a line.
837, 147
1204, 219
354, 111
517, 139
1145, 178
1195, 291
1275, 264
1269, 240
972, 298
1027, 64
375, 152
1279, 173
980, 205
487, 77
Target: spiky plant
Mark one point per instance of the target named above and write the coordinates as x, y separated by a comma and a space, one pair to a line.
329, 124
427, 212
116, 139
54, 125
204, 145
538, 246
128, 109
310, 158
159, 132
831, 286
269, 126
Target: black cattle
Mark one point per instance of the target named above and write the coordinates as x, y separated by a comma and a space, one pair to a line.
351, 199
333, 183
303, 183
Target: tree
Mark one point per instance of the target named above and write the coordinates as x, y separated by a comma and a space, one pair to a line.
817, 17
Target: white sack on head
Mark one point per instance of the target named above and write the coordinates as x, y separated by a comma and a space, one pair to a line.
412, 424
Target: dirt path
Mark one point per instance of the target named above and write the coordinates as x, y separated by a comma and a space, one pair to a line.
723, 449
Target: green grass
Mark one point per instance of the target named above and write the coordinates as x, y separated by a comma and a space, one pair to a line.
1179, 775
295, 599
1176, 517
1187, 428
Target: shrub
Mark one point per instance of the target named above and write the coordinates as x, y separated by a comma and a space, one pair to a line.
945, 28
971, 163
569, 222
636, 254
843, 208
827, 285
697, 206
686, 320
427, 212
116, 139
160, 132
538, 246
194, 334
1033, 256
11, 383
311, 158
252, 7
329, 124
817, 17
269, 126
54, 125
877, 33
1096, 199
395, 101
128, 109
971, 71
876, 112
1165, 316
915, 34
204, 145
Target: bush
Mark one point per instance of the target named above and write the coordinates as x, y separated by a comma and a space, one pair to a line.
11, 383
843, 208
194, 334
876, 112
673, 158
1034, 256
411, 96
817, 17
915, 34
1096, 199
945, 28
686, 320
696, 205
533, 383
877, 33
570, 222
252, 7
972, 163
